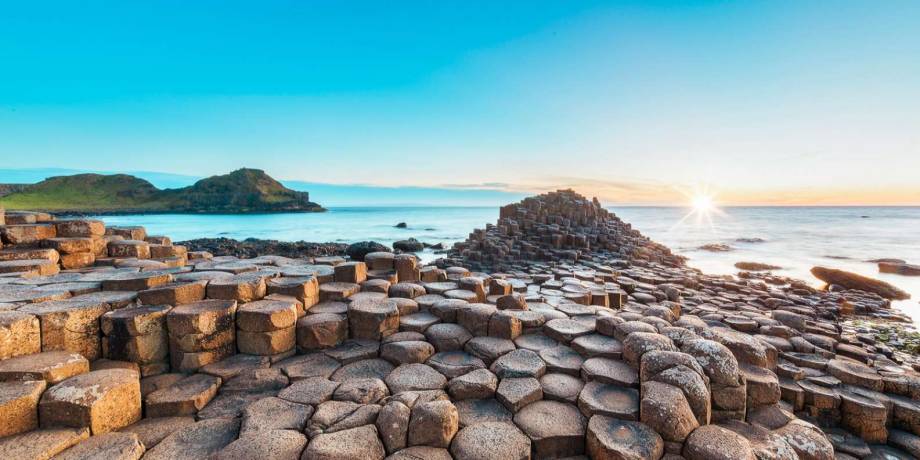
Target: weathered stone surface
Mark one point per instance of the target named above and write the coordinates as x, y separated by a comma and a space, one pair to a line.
609, 371
454, 363
19, 406
555, 429
611, 400
447, 336
102, 401
244, 287
150, 431
807, 440
274, 444
565, 330
270, 414
519, 363
177, 293
197, 441
433, 424
613, 439
41, 444
515, 393
488, 349
562, 359
415, 377
204, 317
309, 365
185, 397
361, 443
475, 411
20, 334
393, 425
365, 369
108, 446
372, 319
406, 352
477, 384
491, 441
666, 410
321, 330
712, 442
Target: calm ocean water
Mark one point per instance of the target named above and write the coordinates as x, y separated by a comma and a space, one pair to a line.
795, 238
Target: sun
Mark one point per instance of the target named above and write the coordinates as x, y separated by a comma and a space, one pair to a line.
703, 204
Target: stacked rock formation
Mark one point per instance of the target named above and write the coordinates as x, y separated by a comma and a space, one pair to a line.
558, 226
591, 342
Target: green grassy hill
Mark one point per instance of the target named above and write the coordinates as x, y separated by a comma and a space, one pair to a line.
242, 191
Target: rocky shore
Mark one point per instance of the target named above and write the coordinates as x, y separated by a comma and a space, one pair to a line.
558, 332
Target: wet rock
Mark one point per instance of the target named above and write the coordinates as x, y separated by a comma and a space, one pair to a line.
853, 281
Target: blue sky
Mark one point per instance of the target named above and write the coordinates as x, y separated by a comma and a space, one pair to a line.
773, 102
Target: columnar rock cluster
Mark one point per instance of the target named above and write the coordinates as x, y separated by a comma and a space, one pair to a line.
558, 226
601, 345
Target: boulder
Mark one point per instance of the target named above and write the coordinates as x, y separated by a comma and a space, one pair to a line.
850, 280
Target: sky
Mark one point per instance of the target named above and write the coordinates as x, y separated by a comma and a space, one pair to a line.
651, 102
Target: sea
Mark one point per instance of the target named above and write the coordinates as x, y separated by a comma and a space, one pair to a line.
794, 238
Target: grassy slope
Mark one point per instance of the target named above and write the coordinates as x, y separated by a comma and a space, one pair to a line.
245, 190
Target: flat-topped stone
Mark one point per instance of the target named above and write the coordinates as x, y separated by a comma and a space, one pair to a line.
185, 397
597, 398
103, 401
50, 366
491, 440
612, 438
555, 429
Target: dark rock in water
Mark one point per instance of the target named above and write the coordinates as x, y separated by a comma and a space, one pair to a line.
751, 240
755, 266
252, 247
899, 268
401, 225
358, 250
893, 261
838, 257
429, 229
716, 247
410, 245
437, 246
849, 280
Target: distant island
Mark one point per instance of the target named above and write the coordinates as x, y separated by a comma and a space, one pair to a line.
242, 191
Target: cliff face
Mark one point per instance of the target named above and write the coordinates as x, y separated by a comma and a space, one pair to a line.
242, 191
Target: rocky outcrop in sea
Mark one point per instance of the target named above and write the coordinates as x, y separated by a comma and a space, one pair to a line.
558, 332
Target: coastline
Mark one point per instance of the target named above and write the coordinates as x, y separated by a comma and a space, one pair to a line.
557, 286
